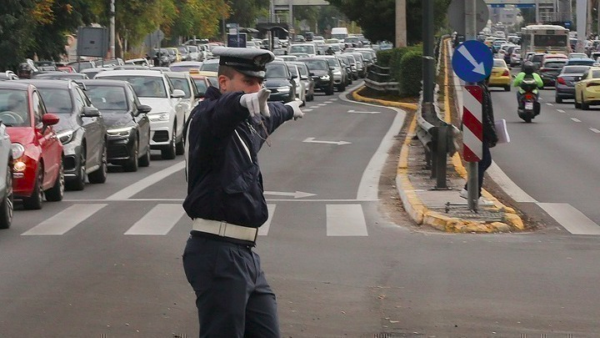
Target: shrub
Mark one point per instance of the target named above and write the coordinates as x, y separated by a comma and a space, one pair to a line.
410, 71
383, 57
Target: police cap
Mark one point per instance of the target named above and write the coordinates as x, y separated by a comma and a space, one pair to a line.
248, 61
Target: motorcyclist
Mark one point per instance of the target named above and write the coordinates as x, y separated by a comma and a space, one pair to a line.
528, 71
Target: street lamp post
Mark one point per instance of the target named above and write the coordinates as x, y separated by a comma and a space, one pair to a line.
112, 29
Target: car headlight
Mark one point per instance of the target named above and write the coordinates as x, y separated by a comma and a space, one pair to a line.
17, 150
159, 117
325, 77
119, 132
66, 136
283, 89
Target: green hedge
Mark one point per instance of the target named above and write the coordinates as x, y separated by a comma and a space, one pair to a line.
410, 73
383, 57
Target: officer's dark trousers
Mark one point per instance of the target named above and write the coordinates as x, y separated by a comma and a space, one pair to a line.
232, 294
482, 166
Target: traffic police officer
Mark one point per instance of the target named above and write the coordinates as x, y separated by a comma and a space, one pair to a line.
225, 197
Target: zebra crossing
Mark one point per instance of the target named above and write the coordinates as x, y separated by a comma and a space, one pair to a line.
340, 220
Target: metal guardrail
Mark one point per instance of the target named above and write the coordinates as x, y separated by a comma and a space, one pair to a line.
435, 134
378, 78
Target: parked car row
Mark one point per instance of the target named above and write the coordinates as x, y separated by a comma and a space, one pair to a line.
60, 134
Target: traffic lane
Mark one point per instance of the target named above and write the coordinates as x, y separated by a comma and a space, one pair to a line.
549, 158
95, 281
590, 119
327, 170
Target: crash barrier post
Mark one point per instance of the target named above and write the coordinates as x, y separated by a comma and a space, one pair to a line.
378, 78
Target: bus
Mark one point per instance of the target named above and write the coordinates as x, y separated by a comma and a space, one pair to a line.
551, 39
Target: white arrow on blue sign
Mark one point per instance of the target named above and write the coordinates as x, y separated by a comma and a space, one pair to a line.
472, 61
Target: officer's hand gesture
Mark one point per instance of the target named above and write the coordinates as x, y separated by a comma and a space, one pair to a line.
298, 114
256, 103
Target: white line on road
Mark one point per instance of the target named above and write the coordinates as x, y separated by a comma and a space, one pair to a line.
571, 219
346, 220
548, 103
159, 221
65, 220
595, 130
146, 182
560, 111
575, 120
264, 229
307, 109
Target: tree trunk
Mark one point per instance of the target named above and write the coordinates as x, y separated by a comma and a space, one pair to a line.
400, 23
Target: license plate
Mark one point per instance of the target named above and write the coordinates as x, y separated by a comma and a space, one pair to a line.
529, 105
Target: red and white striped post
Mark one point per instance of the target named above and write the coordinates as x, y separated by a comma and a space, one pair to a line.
472, 139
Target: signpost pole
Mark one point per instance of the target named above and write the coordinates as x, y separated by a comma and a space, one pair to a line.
472, 169
428, 60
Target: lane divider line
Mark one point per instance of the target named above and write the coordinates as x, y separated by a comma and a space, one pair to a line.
575, 120
595, 130
560, 111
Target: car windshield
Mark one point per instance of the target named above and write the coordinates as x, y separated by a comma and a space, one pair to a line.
13, 108
575, 70
316, 64
587, 62
183, 68
499, 63
554, 64
210, 67
58, 101
201, 85
302, 70
293, 70
276, 70
182, 84
107, 97
596, 74
144, 86
332, 63
308, 49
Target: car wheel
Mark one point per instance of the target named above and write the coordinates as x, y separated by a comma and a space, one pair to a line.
558, 99
99, 176
7, 205
342, 87
329, 90
34, 202
57, 192
170, 152
507, 88
132, 164
180, 147
79, 182
145, 160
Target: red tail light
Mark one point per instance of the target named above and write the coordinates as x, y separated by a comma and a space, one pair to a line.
592, 84
528, 96
561, 81
505, 73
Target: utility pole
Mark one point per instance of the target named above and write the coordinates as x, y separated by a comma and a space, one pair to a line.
428, 59
112, 29
400, 23
590, 9
581, 26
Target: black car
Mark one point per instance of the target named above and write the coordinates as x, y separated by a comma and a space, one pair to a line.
81, 130
321, 73
279, 81
127, 123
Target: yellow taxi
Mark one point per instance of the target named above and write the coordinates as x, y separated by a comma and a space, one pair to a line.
500, 76
587, 89
176, 52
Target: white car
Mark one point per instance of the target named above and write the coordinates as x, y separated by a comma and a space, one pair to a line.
515, 57
6, 182
167, 116
183, 81
300, 90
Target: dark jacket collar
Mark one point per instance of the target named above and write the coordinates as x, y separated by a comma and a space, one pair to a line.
212, 93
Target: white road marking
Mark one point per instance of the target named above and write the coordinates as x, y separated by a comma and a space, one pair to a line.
65, 220
140, 185
560, 111
180, 200
346, 220
548, 103
312, 140
307, 109
571, 219
295, 194
264, 229
595, 130
328, 102
510, 187
159, 221
575, 120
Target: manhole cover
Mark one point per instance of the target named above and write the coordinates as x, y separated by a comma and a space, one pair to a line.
463, 212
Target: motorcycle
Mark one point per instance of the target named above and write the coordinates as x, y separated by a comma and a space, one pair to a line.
529, 107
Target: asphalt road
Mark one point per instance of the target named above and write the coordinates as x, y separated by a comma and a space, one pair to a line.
342, 257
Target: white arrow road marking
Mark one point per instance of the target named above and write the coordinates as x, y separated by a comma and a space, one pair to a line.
296, 194
560, 111
264, 229
352, 111
595, 130
575, 120
548, 103
312, 140
478, 66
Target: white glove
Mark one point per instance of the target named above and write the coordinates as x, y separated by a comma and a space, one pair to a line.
256, 103
298, 114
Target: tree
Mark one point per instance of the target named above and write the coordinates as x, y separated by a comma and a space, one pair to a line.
245, 12
199, 17
16, 27
377, 17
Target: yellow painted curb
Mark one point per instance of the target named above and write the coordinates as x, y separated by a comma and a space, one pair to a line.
360, 98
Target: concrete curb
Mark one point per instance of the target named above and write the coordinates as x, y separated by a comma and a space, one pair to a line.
413, 204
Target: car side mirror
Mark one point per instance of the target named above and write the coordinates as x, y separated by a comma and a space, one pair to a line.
50, 119
294, 76
90, 112
144, 109
177, 94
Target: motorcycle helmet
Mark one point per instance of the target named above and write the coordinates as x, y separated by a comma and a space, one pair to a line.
528, 68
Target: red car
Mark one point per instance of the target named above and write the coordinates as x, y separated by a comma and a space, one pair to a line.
36, 150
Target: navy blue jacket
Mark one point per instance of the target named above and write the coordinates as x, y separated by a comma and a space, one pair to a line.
224, 178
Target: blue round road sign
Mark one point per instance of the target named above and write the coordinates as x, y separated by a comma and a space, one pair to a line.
472, 61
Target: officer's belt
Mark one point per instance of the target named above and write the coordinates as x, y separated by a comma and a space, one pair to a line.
225, 229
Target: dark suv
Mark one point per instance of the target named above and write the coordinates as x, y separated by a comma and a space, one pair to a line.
81, 130
279, 81
321, 73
